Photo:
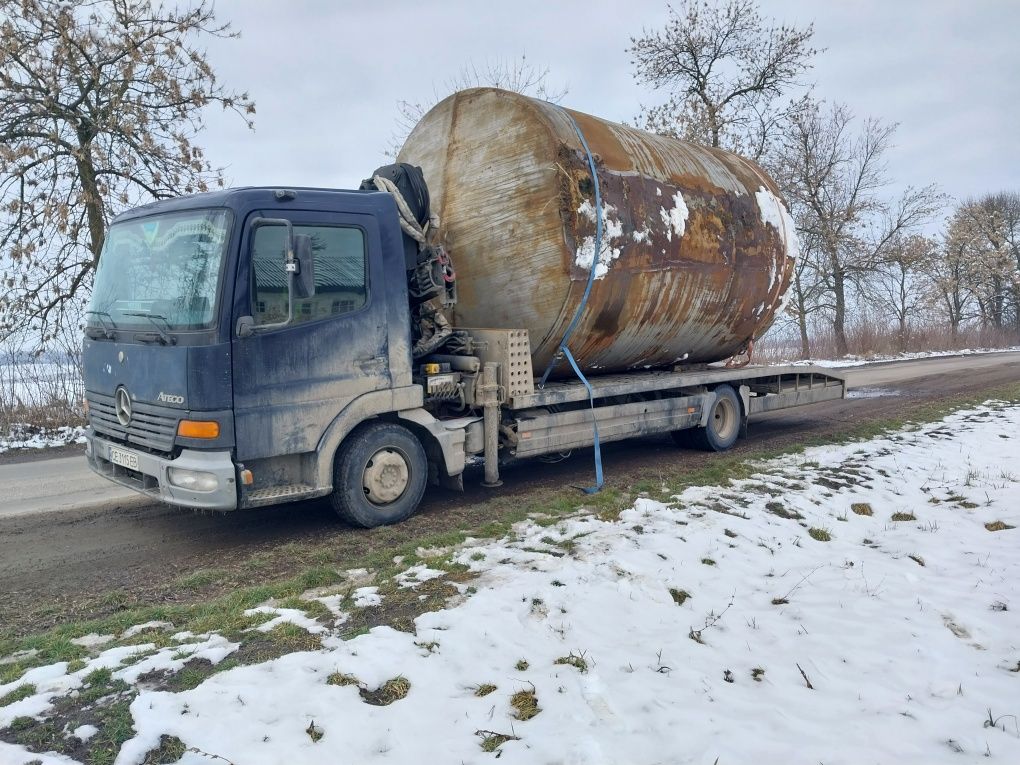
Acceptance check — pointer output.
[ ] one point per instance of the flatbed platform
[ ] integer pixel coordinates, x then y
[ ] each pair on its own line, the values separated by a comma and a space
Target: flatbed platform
789, 385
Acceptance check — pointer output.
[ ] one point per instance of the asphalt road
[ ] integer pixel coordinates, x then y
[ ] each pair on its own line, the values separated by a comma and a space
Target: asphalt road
66, 534
53, 485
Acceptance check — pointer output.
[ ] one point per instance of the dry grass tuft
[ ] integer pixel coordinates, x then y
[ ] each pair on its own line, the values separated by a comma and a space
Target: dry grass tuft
679, 596
315, 733
862, 508
778, 508
521, 665
904, 517
917, 559
820, 535
342, 678
998, 526
484, 689
491, 740
525, 703
170, 749
574, 660
392, 690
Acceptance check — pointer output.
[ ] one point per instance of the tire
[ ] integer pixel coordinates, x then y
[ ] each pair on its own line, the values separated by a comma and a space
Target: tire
723, 426
379, 475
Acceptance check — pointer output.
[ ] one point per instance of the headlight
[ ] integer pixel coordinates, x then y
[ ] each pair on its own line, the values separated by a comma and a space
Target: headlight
196, 480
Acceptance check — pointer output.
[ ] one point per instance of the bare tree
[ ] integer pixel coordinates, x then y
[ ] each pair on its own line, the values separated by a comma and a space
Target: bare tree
987, 232
897, 287
726, 71
952, 274
100, 103
517, 75
834, 179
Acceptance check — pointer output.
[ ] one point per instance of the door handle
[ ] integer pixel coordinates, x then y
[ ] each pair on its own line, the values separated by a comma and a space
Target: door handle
372, 363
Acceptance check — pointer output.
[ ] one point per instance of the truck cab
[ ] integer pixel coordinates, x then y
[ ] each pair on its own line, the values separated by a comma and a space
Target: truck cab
235, 339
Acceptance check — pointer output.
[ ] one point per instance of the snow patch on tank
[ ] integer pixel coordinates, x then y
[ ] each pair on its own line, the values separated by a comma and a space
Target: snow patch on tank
675, 219
644, 235
774, 213
612, 231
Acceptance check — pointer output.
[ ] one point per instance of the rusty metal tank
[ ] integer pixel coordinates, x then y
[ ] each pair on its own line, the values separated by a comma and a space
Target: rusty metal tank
697, 251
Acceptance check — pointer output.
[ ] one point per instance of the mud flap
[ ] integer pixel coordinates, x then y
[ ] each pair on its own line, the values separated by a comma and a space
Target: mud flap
744, 392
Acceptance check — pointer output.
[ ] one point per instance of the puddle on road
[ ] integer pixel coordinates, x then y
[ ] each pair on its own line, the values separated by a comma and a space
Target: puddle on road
872, 392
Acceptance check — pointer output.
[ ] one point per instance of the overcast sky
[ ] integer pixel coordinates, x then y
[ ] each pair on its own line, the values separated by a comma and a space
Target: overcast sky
327, 76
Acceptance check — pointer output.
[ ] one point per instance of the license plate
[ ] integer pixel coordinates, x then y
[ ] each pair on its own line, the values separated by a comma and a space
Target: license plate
123, 458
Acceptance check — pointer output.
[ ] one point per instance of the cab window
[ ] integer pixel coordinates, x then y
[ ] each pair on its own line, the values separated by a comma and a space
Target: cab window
340, 283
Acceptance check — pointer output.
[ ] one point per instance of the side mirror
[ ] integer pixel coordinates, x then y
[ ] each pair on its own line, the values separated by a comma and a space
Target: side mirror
292, 268
304, 279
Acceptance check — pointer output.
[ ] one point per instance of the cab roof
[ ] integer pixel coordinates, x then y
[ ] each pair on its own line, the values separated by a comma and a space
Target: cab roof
246, 198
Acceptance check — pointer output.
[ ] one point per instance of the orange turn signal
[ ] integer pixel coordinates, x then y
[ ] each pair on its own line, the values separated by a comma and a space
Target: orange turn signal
198, 429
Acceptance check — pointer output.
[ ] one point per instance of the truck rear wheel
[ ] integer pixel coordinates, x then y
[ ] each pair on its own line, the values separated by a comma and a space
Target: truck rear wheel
379, 475
723, 427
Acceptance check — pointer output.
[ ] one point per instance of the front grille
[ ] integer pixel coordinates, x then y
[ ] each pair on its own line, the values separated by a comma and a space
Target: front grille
151, 427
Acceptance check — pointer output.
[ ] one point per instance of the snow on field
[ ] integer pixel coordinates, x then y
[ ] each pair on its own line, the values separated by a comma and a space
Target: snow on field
858, 361
37, 381
25, 436
851, 604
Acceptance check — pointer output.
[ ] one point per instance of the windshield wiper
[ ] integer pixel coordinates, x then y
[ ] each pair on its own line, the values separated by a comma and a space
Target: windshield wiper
102, 331
161, 334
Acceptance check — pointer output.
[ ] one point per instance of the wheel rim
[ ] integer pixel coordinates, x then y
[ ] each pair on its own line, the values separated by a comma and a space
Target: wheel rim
386, 476
724, 419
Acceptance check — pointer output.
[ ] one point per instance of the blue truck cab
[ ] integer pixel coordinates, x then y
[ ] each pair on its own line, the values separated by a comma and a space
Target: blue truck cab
237, 339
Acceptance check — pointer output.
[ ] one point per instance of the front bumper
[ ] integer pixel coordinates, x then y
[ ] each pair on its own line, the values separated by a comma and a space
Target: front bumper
151, 475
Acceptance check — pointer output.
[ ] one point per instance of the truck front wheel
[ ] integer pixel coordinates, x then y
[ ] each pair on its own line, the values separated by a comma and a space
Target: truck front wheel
723, 427
379, 475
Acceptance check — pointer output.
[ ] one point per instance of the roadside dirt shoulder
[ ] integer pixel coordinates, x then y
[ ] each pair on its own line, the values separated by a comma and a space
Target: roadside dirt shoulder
15, 456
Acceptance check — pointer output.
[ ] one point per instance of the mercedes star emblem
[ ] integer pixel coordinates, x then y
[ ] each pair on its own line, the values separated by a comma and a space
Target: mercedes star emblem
123, 406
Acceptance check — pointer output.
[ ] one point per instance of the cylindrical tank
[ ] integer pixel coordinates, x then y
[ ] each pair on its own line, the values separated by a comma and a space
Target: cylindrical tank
697, 247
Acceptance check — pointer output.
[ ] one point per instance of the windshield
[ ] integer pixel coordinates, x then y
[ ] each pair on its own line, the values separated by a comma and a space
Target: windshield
162, 269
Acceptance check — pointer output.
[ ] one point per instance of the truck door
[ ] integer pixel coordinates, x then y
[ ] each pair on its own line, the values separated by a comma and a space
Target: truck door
289, 383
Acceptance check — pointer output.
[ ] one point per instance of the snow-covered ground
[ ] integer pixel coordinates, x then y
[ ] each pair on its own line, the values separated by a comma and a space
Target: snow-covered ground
25, 436
857, 361
851, 604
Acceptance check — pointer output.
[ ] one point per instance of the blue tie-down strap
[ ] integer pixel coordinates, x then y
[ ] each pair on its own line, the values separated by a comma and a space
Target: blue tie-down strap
594, 423
563, 349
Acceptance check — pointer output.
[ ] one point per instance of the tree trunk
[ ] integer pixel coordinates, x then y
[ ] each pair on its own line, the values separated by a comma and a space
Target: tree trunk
805, 343
1016, 312
997, 303
798, 291
93, 200
839, 317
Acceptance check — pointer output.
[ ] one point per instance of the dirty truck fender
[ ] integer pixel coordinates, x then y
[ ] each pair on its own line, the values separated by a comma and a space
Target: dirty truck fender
405, 402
